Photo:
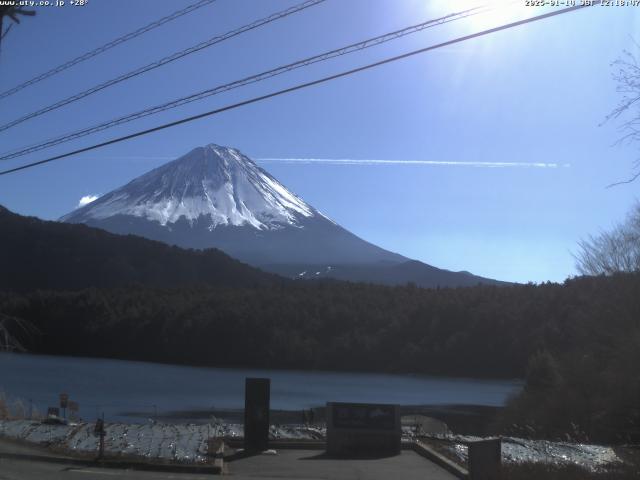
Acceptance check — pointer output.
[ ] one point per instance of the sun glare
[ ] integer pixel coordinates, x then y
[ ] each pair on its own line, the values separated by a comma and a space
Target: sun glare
487, 14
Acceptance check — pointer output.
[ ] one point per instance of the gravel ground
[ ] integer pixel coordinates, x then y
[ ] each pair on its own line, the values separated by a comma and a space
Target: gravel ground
188, 442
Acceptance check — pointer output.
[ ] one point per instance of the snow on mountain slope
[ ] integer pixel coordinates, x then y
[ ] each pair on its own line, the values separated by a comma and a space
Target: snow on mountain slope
216, 197
212, 181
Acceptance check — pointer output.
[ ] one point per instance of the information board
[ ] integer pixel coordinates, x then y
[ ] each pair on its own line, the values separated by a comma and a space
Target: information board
363, 429
53, 412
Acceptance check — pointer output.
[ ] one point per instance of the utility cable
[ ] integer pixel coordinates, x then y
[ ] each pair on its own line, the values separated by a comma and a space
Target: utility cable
107, 46
301, 86
371, 42
163, 61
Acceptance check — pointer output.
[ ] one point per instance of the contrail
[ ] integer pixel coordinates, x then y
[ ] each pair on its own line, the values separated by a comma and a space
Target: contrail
348, 161
369, 162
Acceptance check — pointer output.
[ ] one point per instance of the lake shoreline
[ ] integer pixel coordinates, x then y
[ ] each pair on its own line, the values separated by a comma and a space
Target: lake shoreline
278, 368
138, 391
463, 419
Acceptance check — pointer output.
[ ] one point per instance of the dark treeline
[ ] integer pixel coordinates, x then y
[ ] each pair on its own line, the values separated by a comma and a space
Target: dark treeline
576, 343
328, 325
51, 255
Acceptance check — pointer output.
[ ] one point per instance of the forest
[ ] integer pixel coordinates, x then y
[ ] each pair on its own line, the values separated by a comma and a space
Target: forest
575, 343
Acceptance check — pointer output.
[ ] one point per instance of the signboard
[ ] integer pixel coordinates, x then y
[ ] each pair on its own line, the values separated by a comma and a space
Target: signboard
256, 414
64, 400
53, 412
99, 431
363, 429
370, 417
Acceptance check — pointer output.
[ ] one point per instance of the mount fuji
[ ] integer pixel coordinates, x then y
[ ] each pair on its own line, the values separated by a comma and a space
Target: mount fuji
215, 196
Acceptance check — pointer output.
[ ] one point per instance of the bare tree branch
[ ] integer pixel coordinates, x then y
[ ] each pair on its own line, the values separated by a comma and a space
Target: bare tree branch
614, 251
13, 12
4, 34
622, 182
9, 326
627, 76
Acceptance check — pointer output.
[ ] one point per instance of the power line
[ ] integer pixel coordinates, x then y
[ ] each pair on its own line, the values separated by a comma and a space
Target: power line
300, 86
371, 42
107, 46
164, 61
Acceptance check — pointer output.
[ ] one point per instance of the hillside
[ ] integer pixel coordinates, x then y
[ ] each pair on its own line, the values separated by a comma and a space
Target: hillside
411, 271
37, 254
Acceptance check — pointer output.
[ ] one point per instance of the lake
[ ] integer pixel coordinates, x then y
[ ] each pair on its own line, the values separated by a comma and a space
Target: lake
117, 387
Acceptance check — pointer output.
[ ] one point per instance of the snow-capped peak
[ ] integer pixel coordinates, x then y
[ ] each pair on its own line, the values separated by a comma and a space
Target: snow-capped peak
217, 183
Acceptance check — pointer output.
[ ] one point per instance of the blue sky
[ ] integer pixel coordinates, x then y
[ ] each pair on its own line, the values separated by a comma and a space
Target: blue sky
534, 94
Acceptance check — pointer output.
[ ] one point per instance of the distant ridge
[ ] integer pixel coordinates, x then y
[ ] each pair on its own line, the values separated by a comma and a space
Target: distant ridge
37, 254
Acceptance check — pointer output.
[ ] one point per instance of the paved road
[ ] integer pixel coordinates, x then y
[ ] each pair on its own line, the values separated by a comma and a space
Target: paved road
288, 464
312, 465
27, 469
30, 470
8, 446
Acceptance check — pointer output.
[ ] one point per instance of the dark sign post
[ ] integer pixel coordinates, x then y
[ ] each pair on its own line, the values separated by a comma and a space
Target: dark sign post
64, 400
256, 414
485, 459
74, 407
363, 429
99, 431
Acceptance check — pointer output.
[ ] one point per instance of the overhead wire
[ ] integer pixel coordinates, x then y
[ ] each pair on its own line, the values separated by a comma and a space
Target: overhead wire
107, 46
164, 61
371, 42
302, 86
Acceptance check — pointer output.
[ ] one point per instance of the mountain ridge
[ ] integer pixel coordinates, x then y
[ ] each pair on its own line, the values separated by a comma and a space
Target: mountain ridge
211, 180
39, 254
217, 197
